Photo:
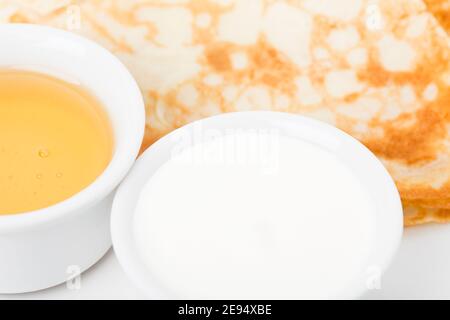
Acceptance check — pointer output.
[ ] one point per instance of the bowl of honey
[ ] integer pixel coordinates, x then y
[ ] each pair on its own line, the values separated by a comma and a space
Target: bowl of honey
72, 120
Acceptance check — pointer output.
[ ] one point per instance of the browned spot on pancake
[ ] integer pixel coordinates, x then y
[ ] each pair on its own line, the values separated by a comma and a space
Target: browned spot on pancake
423, 192
266, 65
414, 144
376, 76
352, 97
18, 18
441, 10
274, 69
430, 203
218, 56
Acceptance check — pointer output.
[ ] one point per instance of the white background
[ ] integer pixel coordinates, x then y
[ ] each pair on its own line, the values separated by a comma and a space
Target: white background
421, 270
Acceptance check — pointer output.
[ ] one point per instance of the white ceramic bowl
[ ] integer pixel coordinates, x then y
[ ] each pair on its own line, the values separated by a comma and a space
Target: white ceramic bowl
369, 170
43, 248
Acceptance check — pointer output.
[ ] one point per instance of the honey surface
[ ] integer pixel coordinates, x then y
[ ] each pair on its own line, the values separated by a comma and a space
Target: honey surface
55, 140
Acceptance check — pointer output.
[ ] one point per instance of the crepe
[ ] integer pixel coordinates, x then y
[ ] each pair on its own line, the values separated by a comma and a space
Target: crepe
379, 70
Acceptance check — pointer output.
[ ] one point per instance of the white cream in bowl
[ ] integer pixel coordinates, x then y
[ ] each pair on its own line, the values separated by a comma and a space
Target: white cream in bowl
258, 205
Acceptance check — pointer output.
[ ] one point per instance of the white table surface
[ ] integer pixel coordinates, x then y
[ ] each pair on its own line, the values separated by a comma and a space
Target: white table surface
421, 270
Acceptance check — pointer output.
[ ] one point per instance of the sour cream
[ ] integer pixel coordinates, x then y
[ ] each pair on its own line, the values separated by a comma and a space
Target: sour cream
255, 215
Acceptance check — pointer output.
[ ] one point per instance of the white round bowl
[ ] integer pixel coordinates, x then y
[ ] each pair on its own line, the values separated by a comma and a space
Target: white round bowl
43, 248
371, 173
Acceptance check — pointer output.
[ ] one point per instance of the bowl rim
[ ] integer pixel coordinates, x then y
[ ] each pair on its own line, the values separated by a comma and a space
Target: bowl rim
123, 156
128, 194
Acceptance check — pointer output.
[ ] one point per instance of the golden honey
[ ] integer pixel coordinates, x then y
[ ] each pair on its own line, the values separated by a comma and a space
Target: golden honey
55, 140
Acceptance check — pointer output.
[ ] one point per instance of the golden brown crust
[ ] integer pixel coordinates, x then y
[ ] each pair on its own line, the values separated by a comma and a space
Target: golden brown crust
441, 10
414, 215
429, 203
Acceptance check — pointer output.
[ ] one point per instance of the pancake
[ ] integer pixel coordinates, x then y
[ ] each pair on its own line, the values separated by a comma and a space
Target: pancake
378, 70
